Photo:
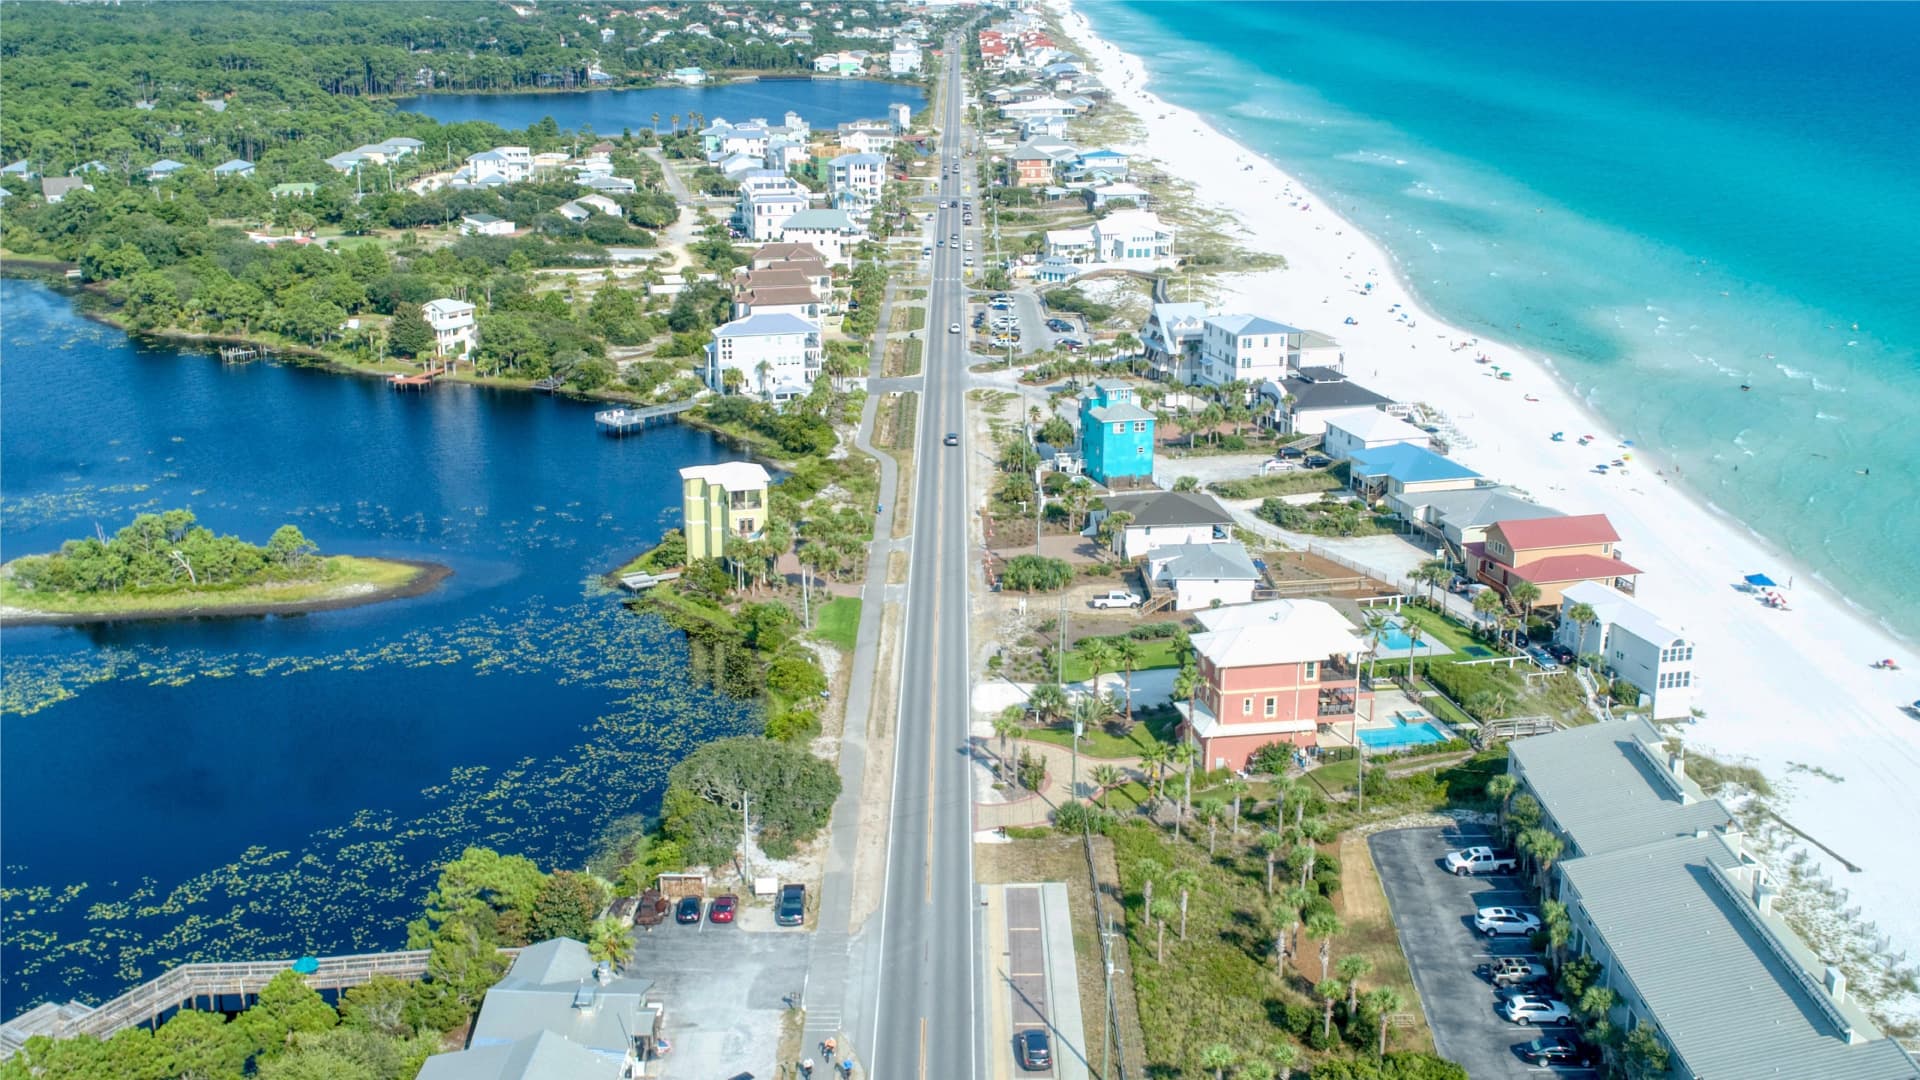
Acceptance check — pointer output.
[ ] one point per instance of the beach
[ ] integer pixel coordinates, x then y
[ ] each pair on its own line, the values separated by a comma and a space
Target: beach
1790, 691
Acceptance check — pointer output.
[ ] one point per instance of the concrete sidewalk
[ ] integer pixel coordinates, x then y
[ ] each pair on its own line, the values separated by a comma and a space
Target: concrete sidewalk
1031, 977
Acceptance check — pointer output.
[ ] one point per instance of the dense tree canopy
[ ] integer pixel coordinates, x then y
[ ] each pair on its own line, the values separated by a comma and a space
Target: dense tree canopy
787, 794
166, 551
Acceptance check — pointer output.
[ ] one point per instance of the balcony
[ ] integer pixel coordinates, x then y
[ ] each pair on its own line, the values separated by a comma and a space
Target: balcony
1336, 669
1337, 703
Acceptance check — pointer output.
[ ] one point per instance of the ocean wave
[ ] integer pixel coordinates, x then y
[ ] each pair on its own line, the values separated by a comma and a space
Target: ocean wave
1792, 372
1826, 416
1370, 157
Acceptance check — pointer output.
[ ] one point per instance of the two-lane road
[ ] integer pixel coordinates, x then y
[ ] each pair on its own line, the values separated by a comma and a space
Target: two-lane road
927, 997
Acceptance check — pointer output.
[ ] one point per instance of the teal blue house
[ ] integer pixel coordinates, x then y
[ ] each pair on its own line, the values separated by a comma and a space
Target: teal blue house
1116, 434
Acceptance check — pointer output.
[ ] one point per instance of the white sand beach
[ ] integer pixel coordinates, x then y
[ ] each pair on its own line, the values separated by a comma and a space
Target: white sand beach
1789, 691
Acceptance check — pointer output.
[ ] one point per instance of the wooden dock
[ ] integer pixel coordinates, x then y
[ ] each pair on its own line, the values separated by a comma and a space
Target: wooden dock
222, 987
640, 581
243, 354
626, 421
417, 381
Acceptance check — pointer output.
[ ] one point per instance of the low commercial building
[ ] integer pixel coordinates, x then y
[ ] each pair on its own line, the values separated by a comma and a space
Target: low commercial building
722, 502
1162, 518
1278, 671
455, 333
1633, 644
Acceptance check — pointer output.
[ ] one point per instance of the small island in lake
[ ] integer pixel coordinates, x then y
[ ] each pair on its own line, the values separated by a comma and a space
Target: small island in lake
167, 565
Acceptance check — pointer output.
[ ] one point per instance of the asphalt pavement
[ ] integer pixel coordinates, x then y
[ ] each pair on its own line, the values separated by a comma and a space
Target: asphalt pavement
927, 993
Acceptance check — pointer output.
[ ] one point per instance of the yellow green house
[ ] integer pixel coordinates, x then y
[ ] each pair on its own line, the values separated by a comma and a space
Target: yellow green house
723, 501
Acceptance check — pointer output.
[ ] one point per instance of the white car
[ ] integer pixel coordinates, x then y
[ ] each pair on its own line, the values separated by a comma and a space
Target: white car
1479, 860
953, 328
1505, 921
1524, 1009
1118, 598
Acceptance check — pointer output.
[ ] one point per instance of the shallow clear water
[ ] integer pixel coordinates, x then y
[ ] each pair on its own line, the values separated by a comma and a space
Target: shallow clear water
255, 788
1666, 200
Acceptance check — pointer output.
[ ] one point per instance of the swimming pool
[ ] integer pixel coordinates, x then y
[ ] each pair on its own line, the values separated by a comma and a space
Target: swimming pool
1409, 729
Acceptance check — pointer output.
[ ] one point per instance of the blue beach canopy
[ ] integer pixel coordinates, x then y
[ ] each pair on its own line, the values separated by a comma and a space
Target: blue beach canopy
1761, 580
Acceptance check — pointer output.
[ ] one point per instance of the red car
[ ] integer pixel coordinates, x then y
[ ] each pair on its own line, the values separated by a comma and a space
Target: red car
721, 910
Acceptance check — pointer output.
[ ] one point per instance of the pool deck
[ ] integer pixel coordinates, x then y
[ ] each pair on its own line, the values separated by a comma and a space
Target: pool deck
1386, 705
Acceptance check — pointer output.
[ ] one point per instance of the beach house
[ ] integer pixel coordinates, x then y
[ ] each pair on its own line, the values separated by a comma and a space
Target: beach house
1462, 517
1112, 163
1109, 196
558, 1013
777, 356
1135, 236
292, 191
1278, 671
1633, 644
722, 502
1353, 430
484, 225
1116, 434
854, 182
903, 58
1403, 476
1071, 246
455, 333
1242, 348
55, 188
236, 168
163, 169
833, 233
767, 199
1031, 168
1552, 553
1171, 338
1682, 920
1163, 518
1193, 577
510, 164
1300, 403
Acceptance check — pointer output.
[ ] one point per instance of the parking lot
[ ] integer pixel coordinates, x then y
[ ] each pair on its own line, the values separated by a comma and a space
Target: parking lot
1030, 316
724, 988
1433, 912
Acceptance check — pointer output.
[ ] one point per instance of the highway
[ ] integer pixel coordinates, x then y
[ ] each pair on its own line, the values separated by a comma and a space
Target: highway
928, 1022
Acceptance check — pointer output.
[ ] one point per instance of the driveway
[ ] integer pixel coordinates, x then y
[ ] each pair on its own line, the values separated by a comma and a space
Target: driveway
724, 989
1433, 911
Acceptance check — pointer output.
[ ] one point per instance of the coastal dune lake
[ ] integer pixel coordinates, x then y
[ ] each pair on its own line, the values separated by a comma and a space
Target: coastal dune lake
822, 102
257, 788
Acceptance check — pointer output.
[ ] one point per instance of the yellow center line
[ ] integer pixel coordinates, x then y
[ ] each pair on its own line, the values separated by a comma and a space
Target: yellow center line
933, 695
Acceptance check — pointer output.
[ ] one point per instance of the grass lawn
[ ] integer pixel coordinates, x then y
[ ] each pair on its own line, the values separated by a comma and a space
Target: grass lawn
1369, 932
338, 577
1437, 627
1099, 743
1160, 653
838, 622
1281, 483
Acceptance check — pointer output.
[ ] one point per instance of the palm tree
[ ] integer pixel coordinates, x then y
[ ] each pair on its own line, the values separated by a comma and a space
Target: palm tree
1432, 574
1294, 902
676, 123
1183, 754
656, 121
1186, 881
1209, 812
1162, 910
1485, 603
1377, 625
1329, 991
1129, 653
1526, 594
1413, 647
1558, 927
1543, 847
1008, 727
1351, 970
1305, 856
1093, 710
1153, 761
1107, 776
1584, 617
1048, 702
1253, 1068
1284, 1057
611, 942
1502, 788
1211, 418
1219, 1057
1383, 1002
1324, 927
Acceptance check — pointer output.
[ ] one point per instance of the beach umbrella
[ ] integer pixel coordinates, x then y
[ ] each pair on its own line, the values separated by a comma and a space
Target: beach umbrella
1760, 581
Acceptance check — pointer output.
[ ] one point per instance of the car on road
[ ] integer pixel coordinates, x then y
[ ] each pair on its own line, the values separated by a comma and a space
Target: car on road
1555, 1050
1036, 1050
1513, 971
688, 910
1505, 921
953, 438
954, 238
1480, 860
1060, 326
792, 909
939, 243
968, 260
1524, 1009
721, 910
953, 328
1118, 598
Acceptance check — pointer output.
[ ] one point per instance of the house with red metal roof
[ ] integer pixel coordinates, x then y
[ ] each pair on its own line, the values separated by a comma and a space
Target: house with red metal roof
1552, 553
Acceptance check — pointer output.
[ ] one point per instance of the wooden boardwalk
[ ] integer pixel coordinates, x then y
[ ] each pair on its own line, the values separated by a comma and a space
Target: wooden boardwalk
622, 421
218, 986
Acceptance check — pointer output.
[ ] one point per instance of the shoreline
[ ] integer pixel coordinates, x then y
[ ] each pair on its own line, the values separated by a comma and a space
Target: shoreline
1752, 660
427, 577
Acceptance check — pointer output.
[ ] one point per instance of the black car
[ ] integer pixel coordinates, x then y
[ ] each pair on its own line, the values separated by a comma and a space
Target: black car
792, 910
1036, 1051
1291, 452
1318, 461
1059, 326
1554, 1050
688, 910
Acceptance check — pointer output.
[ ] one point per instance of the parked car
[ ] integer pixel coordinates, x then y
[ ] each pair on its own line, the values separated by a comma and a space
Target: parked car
1479, 860
1555, 1050
1118, 598
792, 909
1524, 1009
688, 910
1072, 344
1318, 461
1059, 326
1543, 657
1505, 921
1561, 653
1514, 971
1036, 1051
721, 910
652, 910
1291, 452
968, 246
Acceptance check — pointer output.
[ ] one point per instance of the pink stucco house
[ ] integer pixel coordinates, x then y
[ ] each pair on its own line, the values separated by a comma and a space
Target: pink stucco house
1276, 671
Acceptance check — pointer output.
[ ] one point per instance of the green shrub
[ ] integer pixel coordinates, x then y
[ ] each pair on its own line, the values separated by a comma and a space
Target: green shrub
1036, 573
1027, 832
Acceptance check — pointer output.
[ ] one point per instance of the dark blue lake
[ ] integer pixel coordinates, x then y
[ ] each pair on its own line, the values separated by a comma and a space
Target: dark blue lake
271, 787
822, 102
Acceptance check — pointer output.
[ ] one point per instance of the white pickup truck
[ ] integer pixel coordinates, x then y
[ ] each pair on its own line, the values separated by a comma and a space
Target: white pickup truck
1120, 598
1479, 860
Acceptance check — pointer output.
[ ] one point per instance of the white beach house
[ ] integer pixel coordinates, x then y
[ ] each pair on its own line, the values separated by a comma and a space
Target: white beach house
776, 355
1634, 644
455, 333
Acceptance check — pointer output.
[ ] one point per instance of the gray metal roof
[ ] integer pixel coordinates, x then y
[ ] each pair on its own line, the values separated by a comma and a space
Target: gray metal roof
1214, 562
1734, 993
1480, 507
542, 1056
1609, 786
1119, 412
539, 994
1170, 508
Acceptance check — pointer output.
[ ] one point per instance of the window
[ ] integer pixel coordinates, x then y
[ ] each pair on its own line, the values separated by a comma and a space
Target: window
1139, 451
1120, 428
1675, 680
1310, 670
1273, 705
1139, 426
1246, 706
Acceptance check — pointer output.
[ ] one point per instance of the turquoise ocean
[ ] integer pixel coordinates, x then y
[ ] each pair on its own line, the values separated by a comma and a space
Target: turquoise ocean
1668, 201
